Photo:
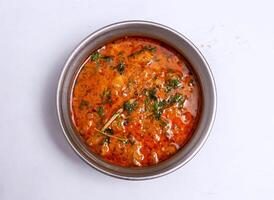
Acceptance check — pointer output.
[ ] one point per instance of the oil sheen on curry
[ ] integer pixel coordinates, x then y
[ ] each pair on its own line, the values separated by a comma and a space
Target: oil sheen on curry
135, 102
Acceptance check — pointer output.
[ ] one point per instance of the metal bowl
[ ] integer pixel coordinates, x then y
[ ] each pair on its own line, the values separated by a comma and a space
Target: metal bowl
168, 36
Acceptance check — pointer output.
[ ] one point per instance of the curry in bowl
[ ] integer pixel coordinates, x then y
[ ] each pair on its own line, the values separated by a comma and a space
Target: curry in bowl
135, 102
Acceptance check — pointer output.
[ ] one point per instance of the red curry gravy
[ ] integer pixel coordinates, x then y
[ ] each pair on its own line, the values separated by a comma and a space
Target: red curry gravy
135, 102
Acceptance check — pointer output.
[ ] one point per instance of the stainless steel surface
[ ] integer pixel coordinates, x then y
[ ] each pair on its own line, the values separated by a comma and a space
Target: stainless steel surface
174, 39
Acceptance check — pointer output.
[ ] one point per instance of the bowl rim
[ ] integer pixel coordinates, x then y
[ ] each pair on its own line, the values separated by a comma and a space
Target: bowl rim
76, 50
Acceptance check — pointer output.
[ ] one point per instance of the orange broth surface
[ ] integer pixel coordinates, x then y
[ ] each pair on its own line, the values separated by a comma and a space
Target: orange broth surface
135, 102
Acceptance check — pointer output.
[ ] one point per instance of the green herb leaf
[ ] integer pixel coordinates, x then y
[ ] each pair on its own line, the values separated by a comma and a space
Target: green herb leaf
121, 67
152, 94
130, 107
172, 84
101, 111
95, 56
157, 109
175, 99
159, 106
149, 48
145, 48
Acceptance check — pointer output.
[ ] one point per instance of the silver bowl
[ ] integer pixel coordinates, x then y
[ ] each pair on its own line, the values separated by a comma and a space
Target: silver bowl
168, 36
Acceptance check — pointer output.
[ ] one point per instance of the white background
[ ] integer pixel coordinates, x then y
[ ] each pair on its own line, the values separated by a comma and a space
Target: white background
237, 39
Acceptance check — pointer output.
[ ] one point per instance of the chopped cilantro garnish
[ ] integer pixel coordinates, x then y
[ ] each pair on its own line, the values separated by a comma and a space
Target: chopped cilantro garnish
101, 111
121, 67
129, 107
95, 56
